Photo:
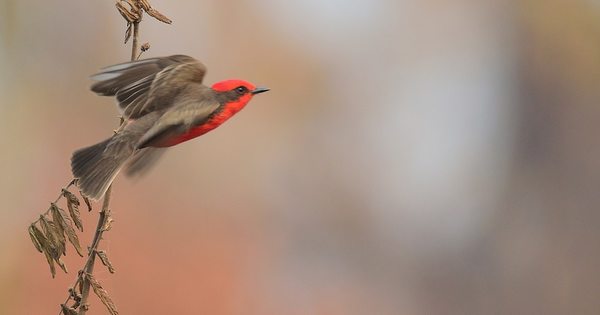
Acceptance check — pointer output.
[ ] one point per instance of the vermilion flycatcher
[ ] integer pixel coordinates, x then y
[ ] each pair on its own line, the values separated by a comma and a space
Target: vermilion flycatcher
164, 103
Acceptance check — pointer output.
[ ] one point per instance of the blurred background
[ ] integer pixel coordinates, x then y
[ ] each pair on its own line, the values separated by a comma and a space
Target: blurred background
412, 157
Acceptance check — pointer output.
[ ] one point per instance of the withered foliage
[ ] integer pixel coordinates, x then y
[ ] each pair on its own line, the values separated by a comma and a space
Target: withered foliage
87, 202
66, 226
73, 206
49, 234
105, 261
131, 11
102, 294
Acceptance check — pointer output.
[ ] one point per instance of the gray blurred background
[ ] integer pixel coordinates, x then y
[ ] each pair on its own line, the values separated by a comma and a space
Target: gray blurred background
412, 157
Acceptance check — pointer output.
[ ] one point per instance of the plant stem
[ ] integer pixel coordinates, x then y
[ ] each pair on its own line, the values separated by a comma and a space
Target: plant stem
134, 43
104, 213
89, 265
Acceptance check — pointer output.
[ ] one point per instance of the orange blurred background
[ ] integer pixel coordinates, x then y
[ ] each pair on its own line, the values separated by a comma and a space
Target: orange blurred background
412, 157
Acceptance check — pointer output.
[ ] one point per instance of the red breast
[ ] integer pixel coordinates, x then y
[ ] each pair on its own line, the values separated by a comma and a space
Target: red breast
244, 91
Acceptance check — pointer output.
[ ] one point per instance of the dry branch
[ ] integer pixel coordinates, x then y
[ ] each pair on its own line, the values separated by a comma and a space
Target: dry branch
50, 232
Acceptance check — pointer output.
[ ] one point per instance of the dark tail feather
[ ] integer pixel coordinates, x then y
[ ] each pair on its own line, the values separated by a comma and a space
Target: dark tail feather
95, 170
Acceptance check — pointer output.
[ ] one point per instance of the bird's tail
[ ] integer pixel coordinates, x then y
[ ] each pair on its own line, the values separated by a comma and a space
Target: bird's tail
95, 169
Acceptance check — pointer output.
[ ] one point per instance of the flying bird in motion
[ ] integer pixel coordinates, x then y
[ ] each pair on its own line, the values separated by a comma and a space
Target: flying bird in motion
164, 103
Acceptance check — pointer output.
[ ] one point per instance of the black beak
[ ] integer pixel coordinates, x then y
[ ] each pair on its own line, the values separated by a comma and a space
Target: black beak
259, 90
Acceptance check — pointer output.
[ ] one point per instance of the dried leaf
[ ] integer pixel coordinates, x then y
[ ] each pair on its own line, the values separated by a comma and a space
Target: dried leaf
153, 12
159, 16
56, 240
62, 265
133, 4
87, 201
50, 261
64, 221
127, 32
47, 249
56, 230
105, 261
102, 294
73, 206
66, 310
34, 238
57, 219
145, 4
127, 14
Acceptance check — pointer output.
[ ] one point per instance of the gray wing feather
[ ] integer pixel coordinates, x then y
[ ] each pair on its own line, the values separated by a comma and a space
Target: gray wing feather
142, 86
178, 121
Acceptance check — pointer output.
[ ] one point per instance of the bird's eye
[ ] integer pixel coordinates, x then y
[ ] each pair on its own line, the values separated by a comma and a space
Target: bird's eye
241, 89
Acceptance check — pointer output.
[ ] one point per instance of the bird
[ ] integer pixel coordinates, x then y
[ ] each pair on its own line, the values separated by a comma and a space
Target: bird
163, 102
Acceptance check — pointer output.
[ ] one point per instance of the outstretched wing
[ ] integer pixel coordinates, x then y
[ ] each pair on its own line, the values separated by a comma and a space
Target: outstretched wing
145, 86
